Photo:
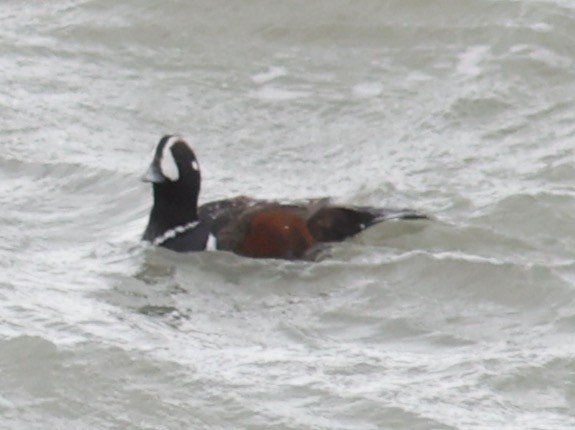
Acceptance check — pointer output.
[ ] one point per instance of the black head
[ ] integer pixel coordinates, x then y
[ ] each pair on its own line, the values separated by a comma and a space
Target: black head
175, 176
174, 161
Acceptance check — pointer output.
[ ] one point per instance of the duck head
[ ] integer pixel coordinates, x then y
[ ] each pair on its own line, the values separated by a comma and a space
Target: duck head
175, 177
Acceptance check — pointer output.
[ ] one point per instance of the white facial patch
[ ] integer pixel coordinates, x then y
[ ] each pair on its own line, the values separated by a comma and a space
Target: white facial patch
168, 164
195, 165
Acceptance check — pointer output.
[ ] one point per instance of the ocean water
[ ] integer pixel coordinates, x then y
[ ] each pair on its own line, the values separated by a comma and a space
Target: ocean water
464, 109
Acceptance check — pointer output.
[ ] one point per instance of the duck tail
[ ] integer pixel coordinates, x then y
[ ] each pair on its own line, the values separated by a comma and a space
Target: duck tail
337, 223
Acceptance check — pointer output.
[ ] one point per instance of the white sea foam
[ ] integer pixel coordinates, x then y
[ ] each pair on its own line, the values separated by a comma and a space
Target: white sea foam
453, 108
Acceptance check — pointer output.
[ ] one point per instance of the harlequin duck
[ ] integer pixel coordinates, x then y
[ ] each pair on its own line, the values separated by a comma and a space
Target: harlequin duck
245, 226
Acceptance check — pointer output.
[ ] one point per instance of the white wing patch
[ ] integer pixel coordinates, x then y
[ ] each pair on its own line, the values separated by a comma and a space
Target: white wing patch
212, 244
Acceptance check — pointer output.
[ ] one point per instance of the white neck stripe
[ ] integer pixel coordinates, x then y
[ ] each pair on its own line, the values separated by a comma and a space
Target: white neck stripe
173, 232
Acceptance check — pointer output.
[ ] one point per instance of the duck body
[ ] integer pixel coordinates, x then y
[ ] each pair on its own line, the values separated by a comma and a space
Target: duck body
243, 225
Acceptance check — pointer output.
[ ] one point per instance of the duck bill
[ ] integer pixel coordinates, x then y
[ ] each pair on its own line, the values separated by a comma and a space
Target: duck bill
153, 175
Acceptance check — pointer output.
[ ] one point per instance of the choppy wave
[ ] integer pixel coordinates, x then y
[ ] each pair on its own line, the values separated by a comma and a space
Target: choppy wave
463, 109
